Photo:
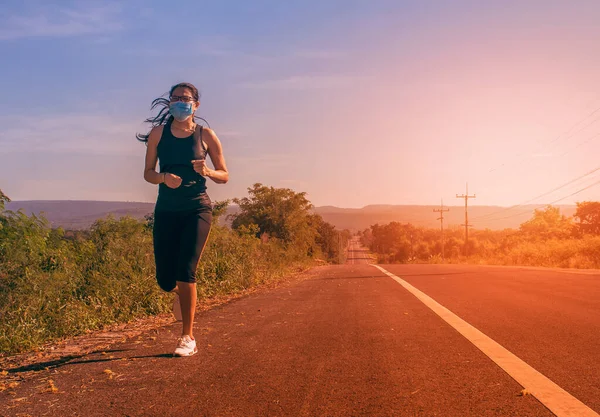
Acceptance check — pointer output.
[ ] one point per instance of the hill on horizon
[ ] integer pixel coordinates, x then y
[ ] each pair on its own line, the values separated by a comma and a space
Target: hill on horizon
81, 214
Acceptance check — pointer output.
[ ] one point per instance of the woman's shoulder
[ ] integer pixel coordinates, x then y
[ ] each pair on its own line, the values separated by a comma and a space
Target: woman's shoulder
208, 135
158, 130
155, 134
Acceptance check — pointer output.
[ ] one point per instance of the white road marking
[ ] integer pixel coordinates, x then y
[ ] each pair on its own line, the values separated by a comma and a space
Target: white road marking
556, 399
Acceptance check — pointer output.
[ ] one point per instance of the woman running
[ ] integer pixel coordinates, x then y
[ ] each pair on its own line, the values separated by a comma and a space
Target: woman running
183, 210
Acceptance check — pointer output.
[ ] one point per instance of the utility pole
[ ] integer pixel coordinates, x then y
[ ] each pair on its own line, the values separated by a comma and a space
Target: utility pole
441, 210
466, 197
339, 242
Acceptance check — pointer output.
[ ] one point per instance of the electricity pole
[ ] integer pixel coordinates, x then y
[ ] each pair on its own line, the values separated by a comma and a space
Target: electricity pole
339, 241
466, 197
441, 210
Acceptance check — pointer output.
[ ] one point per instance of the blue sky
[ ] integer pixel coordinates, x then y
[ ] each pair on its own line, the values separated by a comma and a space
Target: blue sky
354, 102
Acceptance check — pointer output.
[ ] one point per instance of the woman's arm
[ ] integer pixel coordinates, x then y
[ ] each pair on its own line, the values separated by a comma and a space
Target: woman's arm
220, 175
150, 173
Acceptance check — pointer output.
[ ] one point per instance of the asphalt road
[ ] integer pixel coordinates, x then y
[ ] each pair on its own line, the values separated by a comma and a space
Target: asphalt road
347, 340
356, 254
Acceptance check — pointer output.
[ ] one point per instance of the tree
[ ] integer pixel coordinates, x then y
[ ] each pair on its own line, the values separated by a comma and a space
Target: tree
331, 241
219, 208
394, 240
547, 224
366, 237
588, 215
3, 200
279, 212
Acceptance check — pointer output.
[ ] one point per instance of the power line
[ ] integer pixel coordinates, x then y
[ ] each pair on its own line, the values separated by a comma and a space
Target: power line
549, 204
580, 143
589, 115
539, 196
576, 192
569, 134
558, 137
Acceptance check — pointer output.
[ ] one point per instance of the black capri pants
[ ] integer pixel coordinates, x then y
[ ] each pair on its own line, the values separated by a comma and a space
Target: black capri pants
179, 239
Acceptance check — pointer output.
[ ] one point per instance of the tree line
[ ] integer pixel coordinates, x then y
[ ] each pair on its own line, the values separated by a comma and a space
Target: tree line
548, 238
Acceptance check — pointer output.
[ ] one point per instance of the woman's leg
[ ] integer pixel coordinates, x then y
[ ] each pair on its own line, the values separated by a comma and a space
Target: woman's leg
166, 240
187, 298
193, 240
166, 249
177, 304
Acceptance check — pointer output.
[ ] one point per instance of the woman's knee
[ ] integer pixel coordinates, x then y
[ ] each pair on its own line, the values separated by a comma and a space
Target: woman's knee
166, 285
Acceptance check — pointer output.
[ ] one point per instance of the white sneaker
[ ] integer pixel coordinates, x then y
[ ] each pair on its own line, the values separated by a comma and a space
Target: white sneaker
177, 308
186, 346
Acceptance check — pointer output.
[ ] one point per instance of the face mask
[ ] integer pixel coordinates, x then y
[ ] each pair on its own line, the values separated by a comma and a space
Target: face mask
181, 111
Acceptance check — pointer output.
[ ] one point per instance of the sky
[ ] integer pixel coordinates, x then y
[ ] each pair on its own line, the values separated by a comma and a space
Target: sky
353, 102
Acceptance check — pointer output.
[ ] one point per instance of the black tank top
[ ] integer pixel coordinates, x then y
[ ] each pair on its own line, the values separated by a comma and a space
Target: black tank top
175, 156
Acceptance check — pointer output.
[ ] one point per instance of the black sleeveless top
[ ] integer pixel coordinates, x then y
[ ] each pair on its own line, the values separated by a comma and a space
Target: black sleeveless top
175, 156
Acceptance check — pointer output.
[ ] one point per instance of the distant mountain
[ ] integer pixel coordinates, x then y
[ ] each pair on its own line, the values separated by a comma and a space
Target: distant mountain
78, 214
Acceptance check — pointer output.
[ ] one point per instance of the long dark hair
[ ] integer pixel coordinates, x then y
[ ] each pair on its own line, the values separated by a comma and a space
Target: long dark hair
163, 116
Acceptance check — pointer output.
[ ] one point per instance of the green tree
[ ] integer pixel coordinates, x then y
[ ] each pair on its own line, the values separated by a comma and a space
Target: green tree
588, 216
3, 200
219, 208
366, 237
547, 224
331, 241
279, 212
395, 241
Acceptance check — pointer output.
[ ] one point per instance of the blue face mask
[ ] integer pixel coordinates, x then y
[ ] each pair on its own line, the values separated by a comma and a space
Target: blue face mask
181, 111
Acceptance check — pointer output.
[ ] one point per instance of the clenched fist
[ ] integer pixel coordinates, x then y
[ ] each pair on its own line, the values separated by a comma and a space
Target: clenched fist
172, 180
200, 167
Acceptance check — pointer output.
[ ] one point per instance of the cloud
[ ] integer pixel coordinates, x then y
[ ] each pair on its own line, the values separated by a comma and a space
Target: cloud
263, 160
199, 46
318, 54
303, 82
70, 133
65, 22
234, 50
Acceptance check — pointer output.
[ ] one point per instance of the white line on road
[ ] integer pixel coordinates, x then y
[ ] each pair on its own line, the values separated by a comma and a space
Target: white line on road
556, 399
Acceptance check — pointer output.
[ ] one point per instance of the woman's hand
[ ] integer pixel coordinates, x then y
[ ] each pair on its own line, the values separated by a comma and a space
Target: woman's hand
172, 180
200, 167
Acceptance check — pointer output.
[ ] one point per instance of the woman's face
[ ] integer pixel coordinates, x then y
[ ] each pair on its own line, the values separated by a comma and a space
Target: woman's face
184, 94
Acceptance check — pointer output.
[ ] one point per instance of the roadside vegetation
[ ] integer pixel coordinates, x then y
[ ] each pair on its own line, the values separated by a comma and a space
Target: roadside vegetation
548, 239
56, 283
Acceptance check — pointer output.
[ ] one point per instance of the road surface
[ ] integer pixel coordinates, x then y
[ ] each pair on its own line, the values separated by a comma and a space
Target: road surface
356, 254
350, 340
